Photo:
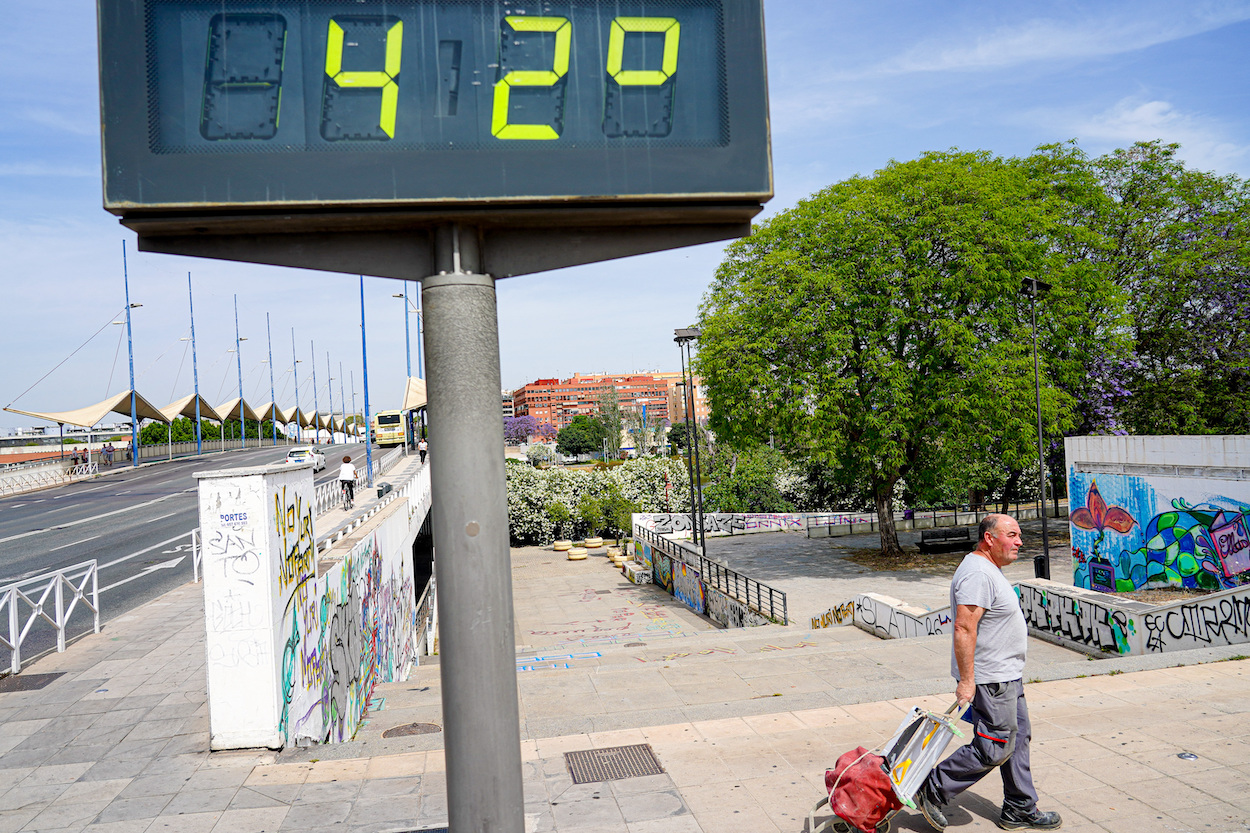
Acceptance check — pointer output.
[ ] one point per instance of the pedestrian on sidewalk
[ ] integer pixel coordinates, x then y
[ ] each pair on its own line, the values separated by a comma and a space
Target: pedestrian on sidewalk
987, 661
422, 449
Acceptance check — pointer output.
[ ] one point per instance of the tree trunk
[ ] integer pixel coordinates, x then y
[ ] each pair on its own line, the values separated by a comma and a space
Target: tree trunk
884, 498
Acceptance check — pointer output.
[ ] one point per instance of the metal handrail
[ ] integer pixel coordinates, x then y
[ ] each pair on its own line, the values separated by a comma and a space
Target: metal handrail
767, 600
45, 477
53, 583
427, 617
197, 553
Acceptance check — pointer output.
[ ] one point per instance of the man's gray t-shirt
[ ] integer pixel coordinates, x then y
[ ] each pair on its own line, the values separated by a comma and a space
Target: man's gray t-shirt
1002, 636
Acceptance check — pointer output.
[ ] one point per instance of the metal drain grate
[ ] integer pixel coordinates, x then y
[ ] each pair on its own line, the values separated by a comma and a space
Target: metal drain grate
412, 729
28, 682
591, 765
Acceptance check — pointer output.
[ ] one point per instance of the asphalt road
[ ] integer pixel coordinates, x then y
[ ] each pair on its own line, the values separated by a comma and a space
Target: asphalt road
135, 523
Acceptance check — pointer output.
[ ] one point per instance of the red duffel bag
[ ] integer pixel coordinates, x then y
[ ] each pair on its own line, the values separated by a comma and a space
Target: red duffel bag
859, 789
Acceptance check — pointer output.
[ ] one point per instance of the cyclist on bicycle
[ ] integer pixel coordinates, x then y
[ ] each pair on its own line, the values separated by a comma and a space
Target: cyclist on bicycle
347, 479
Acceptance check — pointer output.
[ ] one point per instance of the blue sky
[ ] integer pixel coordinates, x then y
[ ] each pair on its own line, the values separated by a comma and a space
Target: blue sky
852, 85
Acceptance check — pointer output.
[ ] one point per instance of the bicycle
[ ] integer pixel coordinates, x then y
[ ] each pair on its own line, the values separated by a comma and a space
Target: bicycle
345, 486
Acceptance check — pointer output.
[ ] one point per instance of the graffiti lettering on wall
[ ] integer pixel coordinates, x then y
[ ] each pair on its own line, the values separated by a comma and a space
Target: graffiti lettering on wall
662, 570
731, 523
1224, 620
1072, 619
731, 613
687, 588
294, 525
1138, 537
843, 614
347, 630
886, 618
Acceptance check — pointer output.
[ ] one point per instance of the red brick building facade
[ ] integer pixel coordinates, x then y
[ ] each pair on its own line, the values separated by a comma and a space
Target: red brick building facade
557, 401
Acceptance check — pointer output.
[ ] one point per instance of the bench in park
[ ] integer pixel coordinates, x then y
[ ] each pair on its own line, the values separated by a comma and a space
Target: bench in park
947, 539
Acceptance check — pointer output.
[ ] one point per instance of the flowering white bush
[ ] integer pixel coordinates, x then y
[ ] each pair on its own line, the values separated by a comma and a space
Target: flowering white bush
653, 484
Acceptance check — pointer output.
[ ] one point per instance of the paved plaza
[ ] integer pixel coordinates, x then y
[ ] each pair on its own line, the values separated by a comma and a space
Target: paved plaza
743, 723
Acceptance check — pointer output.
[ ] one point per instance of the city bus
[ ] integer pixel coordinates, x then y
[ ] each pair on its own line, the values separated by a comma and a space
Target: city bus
388, 428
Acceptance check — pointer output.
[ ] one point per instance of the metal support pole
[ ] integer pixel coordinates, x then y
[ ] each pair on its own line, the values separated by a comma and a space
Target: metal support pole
343, 401
273, 399
130, 351
698, 473
195, 373
1041, 564
364, 360
330, 393
238, 357
295, 372
312, 360
685, 406
470, 522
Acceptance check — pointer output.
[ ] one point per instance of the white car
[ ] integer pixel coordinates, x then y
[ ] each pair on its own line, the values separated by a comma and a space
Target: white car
306, 454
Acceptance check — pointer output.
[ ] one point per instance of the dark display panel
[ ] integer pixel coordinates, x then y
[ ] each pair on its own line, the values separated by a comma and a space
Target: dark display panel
411, 101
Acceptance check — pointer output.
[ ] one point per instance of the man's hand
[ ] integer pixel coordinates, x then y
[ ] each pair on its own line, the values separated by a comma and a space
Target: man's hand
964, 692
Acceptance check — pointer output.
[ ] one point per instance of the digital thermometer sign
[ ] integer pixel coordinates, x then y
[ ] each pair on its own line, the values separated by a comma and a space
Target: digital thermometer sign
227, 104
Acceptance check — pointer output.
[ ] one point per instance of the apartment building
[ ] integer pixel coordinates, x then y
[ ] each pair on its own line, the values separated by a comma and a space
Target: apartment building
557, 401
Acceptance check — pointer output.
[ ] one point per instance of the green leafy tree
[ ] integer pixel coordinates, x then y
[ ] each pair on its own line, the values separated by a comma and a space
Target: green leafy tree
610, 418
747, 481
877, 328
584, 435
1182, 257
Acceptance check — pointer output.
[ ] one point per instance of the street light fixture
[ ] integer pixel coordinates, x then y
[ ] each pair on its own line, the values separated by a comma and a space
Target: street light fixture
1041, 563
683, 336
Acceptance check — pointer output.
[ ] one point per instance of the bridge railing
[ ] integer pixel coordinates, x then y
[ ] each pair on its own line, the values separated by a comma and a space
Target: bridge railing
82, 582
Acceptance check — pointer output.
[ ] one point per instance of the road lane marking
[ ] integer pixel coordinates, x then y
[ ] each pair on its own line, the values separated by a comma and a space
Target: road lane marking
85, 520
166, 565
163, 517
76, 543
143, 551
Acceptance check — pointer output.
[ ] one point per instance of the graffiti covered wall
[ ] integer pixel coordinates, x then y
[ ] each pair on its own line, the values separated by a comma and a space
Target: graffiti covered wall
723, 522
1131, 532
294, 651
890, 618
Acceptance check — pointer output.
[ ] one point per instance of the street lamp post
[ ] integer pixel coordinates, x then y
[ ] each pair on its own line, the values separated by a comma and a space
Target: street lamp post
364, 360
343, 401
195, 373
273, 399
299, 436
1041, 563
130, 351
330, 393
312, 359
683, 337
238, 357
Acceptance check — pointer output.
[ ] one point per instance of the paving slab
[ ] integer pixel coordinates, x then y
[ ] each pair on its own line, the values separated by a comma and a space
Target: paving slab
743, 723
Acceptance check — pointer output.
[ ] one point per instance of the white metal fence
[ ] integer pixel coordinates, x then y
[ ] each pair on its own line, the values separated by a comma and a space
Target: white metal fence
43, 477
81, 580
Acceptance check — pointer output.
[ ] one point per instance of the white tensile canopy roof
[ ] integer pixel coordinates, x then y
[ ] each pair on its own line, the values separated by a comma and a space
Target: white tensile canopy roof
232, 409
414, 394
185, 407
87, 417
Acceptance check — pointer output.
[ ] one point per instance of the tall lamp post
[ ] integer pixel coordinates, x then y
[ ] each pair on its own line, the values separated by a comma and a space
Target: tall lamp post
1041, 563
195, 373
130, 351
683, 336
364, 360
273, 399
238, 357
299, 436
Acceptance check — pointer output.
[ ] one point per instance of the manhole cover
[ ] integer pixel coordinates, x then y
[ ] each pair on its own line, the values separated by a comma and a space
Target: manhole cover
635, 644
602, 592
412, 729
591, 765
27, 682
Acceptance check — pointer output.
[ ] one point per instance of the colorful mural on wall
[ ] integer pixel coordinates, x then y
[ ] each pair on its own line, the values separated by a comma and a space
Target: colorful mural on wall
1131, 532
346, 631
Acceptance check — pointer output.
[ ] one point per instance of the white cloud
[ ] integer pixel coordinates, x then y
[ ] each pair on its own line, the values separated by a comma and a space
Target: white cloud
1204, 142
1124, 27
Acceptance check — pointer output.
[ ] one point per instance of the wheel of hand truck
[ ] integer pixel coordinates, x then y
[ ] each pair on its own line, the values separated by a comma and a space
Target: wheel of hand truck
839, 826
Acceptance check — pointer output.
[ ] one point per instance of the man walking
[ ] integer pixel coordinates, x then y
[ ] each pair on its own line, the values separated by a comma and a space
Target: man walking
423, 448
987, 661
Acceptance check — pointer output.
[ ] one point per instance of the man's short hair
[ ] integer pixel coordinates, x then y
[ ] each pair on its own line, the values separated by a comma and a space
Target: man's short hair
988, 524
